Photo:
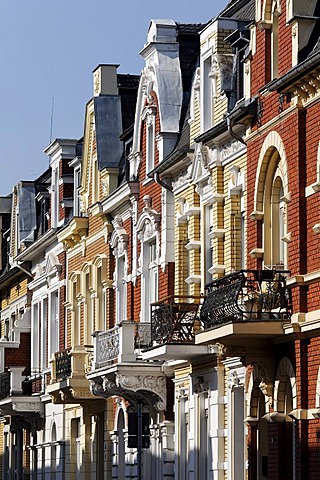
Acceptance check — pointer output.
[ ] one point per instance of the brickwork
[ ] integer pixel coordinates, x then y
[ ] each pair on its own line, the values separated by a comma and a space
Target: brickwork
297, 128
22, 358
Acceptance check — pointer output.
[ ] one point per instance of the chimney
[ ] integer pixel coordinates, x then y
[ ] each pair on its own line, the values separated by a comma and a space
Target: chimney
105, 80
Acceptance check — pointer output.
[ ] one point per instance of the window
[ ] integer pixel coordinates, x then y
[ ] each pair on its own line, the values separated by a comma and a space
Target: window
55, 198
101, 295
208, 242
74, 307
150, 153
54, 323
89, 310
44, 322
35, 328
275, 251
243, 233
77, 183
121, 290
153, 273
209, 75
274, 41
150, 277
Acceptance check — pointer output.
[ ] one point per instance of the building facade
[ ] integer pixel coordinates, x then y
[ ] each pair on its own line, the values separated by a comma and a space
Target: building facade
159, 281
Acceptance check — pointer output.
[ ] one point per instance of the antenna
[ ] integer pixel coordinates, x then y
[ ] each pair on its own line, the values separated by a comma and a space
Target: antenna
51, 121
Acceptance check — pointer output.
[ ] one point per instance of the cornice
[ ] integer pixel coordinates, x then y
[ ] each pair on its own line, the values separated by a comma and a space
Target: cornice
38, 246
72, 234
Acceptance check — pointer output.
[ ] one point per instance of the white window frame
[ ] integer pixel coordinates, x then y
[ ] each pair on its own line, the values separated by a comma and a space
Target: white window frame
150, 142
121, 289
53, 322
150, 271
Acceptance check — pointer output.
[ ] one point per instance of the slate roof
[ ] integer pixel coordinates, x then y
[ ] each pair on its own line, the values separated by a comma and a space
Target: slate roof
239, 9
128, 88
190, 28
189, 51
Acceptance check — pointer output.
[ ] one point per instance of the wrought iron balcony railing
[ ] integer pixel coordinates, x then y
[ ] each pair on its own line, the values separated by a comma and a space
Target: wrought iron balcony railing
143, 336
174, 319
247, 295
63, 365
4, 384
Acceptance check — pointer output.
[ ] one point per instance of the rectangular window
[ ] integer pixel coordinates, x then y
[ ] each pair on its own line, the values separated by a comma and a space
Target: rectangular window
35, 328
150, 145
54, 323
55, 198
208, 241
121, 290
207, 94
77, 183
153, 273
44, 326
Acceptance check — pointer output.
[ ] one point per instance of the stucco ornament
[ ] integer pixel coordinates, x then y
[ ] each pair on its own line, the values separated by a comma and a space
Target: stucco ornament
119, 238
148, 82
153, 383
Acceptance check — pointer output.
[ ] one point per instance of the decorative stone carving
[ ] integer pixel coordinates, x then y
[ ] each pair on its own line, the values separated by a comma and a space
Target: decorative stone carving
148, 82
230, 148
231, 350
148, 224
183, 178
119, 238
267, 391
201, 385
96, 82
152, 383
236, 379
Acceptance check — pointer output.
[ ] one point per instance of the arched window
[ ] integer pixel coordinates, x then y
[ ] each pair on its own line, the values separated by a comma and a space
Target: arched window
148, 232
271, 203
121, 445
53, 452
275, 251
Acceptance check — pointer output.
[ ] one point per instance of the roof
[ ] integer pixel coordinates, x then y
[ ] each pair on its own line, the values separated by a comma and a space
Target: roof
127, 80
297, 72
128, 87
190, 28
239, 9
189, 51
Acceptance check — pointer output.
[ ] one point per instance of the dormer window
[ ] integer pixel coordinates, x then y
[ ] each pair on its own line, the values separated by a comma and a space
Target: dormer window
209, 77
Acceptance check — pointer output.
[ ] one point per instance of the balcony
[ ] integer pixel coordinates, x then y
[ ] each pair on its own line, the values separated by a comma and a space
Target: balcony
174, 323
248, 303
68, 375
16, 395
118, 368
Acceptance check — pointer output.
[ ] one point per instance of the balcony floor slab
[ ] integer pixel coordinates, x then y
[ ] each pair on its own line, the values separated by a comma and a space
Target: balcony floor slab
241, 331
175, 352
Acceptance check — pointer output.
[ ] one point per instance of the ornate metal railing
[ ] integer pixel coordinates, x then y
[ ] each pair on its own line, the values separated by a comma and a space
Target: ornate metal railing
174, 319
247, 295
63, 365
143, 336
107, 346
4, 384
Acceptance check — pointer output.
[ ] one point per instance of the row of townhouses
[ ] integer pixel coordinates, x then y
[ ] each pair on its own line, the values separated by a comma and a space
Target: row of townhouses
160, 281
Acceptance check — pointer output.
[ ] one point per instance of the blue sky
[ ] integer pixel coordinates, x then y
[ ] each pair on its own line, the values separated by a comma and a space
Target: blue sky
48, 49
